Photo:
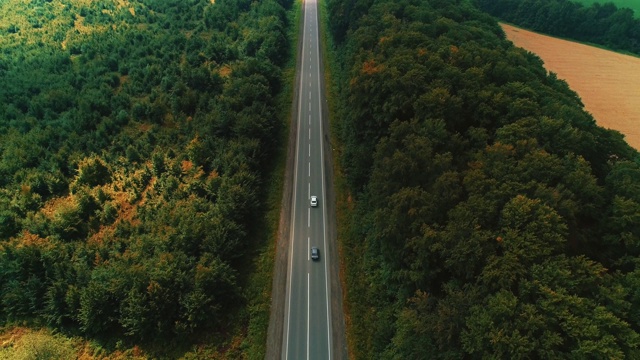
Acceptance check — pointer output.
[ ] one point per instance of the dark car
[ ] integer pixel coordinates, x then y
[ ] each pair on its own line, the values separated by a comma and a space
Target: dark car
315, 253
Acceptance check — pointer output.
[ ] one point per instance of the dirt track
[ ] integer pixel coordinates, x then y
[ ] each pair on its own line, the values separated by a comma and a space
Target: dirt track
607, 82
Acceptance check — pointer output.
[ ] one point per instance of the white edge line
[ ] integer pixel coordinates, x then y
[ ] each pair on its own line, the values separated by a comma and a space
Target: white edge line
308, 310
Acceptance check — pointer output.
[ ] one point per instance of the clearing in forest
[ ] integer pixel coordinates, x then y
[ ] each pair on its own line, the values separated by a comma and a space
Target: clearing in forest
607, 82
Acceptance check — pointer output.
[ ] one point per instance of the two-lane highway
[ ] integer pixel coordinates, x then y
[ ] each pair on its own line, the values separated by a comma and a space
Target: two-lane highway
307, 328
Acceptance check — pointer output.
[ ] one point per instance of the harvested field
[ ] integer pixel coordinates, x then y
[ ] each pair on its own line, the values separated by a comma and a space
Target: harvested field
607, 82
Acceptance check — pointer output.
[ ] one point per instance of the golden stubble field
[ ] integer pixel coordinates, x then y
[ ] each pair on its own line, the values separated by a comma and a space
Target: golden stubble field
607, 82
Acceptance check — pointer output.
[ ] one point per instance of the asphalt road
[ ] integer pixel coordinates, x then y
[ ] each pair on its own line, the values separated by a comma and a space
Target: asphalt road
307, 319
307, 326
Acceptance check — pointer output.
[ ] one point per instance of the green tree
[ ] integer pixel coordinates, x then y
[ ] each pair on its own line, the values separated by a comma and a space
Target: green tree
43, 346
92, 171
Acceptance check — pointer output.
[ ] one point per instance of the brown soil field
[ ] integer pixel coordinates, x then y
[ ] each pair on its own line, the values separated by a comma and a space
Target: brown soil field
607, 82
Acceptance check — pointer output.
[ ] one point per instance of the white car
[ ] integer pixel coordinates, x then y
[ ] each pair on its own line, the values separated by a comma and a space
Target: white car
314, 201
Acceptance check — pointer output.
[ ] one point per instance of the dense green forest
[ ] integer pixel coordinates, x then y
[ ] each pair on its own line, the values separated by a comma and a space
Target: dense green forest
135, 137
631, 4
489, 217
603, 24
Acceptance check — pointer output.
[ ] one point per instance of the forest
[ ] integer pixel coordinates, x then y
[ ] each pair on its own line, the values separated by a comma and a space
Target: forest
135, 141
602, 24
487, 215
631, 4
